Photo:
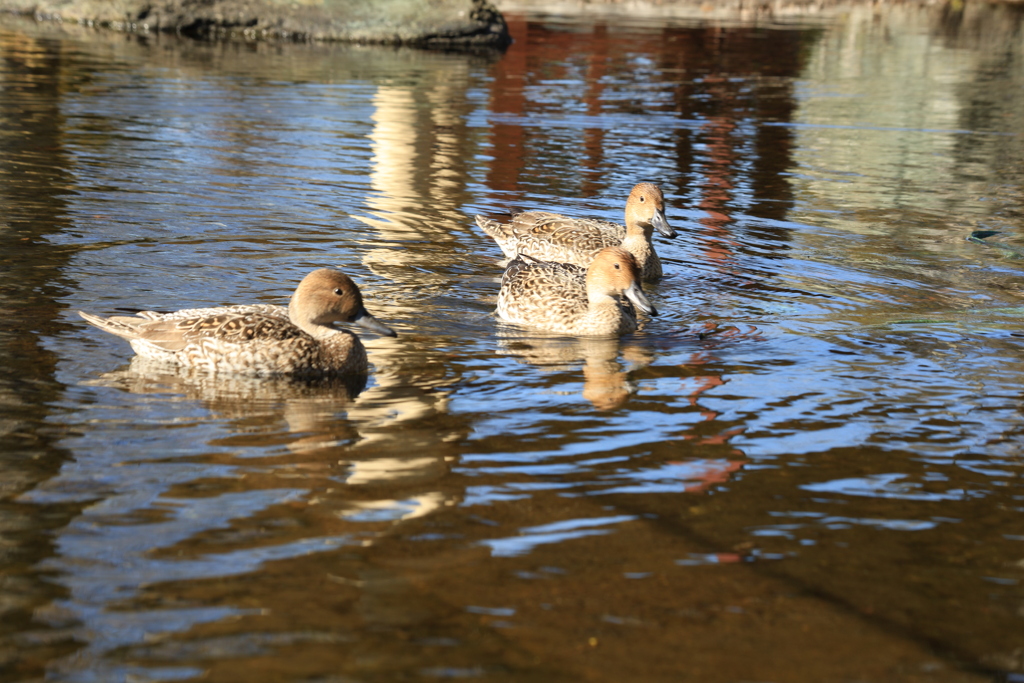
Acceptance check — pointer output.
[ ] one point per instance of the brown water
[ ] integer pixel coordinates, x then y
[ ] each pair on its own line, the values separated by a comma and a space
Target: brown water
808, 468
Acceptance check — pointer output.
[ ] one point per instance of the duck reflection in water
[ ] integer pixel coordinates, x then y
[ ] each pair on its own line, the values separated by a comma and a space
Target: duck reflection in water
318, 431
313, 408
606, 382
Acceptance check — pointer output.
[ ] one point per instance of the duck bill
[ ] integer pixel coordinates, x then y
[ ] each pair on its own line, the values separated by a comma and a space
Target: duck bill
366, 321
636, 295
660, 224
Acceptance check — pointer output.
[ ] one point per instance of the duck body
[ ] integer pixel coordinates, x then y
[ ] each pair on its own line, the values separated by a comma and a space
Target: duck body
259, 339
553, 237
564, 298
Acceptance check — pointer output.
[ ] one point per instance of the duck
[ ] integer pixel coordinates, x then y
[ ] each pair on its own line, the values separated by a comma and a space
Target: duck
564, 298
553, 237
259, 339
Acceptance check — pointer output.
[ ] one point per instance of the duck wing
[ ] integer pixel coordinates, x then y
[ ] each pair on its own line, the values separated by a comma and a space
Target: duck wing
174, 332
542, 293
553, 237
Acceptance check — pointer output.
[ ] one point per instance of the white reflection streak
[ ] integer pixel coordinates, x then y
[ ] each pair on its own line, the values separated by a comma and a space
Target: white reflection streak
393, 141
394, 510
386, 469
395, 167
415, 177
883, 486
403, 163
558, 532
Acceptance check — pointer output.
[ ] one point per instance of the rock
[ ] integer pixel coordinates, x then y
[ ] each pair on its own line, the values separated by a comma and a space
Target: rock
424, 23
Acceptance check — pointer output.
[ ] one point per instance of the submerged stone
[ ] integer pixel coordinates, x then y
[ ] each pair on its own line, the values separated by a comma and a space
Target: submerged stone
425, 23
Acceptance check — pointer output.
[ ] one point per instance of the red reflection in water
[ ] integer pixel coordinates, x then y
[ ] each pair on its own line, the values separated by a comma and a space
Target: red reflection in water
707, 473
721, 84
508, 96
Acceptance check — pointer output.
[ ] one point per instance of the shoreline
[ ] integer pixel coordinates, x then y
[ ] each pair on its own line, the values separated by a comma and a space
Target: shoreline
442, 24
727, 10
462, 25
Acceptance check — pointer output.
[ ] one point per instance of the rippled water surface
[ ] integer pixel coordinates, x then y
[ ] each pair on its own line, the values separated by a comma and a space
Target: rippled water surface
808, 468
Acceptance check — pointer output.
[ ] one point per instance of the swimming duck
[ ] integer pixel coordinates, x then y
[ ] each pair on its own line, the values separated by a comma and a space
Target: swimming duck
259, 339
567, 299
551, 237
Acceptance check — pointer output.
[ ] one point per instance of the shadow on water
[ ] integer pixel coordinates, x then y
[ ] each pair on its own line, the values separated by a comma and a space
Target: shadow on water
806, 469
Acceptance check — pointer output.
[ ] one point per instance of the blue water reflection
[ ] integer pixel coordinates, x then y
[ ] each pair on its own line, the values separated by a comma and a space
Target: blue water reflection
806, 469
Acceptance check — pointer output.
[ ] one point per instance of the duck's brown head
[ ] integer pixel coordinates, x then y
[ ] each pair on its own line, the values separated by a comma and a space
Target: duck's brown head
327, 296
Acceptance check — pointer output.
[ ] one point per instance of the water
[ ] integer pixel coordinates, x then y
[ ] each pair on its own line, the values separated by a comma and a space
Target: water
806, 469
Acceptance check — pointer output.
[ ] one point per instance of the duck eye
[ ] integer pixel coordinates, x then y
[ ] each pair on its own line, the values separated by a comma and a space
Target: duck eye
641, 199
338, 291
616, 266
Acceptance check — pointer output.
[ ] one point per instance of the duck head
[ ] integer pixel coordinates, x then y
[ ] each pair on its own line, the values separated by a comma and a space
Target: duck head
646, 208
615, 273
328, 296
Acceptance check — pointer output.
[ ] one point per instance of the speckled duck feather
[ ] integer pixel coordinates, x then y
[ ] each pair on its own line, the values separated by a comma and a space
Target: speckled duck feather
553, 297
237, 341
552, 237
561, 239
258, 339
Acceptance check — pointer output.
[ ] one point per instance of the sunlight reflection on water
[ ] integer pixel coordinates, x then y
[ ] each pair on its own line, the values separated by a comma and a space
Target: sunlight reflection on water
813, 452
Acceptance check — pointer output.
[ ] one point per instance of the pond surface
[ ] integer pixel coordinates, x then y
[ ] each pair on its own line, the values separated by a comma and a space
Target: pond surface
807, 468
